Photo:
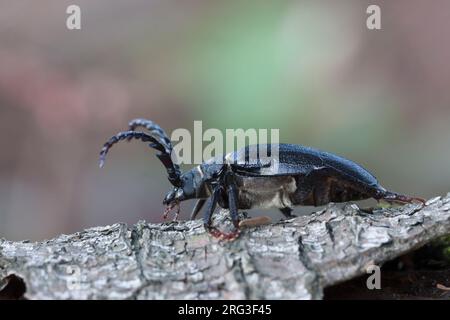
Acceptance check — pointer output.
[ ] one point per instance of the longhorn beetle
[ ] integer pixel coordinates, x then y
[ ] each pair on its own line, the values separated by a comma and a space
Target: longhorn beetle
300, 176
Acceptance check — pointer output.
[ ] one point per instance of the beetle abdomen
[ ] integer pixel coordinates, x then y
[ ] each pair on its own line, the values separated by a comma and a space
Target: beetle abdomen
322, 192
265, 192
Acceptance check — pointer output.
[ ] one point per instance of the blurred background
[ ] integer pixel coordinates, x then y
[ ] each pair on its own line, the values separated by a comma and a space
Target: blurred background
309, 68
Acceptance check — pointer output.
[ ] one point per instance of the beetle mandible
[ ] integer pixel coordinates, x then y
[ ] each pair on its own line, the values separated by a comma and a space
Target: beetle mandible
302, 176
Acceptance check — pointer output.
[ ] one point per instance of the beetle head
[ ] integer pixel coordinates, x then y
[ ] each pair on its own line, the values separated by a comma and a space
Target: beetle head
190, 184
171, 196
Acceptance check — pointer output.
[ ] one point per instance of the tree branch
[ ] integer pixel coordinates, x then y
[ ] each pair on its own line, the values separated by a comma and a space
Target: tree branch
292, 259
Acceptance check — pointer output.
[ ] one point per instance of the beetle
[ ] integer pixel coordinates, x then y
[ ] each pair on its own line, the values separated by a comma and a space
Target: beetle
243, 179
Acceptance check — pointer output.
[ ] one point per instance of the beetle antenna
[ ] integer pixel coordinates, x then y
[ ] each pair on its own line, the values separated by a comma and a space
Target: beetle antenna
164, 156
155, 130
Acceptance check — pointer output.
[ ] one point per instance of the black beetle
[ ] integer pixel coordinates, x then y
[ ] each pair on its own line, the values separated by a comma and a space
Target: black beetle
301, 176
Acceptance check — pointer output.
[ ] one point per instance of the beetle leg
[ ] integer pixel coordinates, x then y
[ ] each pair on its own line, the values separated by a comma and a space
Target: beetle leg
232, 198
177, 212
395, 197
212, 203
232, 206
287, 212
198, 206
207, 218
169, 208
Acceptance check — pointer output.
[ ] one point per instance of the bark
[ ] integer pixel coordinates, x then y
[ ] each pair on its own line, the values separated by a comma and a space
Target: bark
291, 259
